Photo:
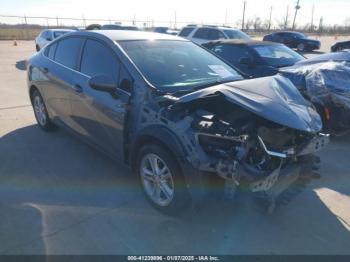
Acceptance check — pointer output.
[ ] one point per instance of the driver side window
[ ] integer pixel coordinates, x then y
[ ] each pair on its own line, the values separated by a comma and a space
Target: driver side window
232, 53
99, 59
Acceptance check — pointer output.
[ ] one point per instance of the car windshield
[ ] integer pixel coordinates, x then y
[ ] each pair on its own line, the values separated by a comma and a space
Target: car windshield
235, 34
278, 55
300, 35
174, 66
59, 33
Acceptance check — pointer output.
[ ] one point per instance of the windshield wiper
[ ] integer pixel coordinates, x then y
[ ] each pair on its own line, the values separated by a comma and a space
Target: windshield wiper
217, 82
205, 85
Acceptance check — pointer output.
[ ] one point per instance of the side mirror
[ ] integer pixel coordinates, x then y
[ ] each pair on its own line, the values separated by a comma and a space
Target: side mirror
246, 61
48, 39
103, 83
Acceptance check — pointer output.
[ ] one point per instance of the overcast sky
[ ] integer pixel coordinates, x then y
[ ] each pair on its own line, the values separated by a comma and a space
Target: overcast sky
333, 11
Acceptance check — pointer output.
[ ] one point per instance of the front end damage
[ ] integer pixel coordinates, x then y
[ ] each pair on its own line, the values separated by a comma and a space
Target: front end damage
326, 85
258, 135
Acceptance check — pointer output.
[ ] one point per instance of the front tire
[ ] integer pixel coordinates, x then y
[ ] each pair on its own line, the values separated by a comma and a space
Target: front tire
40, 112
37, 48
162, 180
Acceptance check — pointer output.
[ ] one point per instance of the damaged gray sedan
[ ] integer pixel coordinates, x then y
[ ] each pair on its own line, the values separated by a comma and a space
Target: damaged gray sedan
177, 115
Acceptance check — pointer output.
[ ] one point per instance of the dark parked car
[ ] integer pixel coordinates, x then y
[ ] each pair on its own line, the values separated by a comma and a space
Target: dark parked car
294, 40
322, 79
119, 27
93, 27
340, 46
176, 114
255, 58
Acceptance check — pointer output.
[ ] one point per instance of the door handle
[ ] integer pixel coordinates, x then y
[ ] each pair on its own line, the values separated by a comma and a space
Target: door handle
77, 88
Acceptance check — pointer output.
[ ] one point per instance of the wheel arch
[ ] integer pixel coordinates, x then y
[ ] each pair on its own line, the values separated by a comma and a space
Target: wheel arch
161, 136
32, 89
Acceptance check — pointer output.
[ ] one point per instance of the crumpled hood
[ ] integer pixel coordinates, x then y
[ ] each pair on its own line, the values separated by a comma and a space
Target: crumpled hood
274, 98
328, 57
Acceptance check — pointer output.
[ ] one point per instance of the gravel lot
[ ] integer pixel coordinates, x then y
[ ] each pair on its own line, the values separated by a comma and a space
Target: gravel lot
59, 196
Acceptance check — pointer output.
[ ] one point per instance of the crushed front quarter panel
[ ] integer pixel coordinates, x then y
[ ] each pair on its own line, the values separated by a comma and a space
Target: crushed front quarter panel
274, 98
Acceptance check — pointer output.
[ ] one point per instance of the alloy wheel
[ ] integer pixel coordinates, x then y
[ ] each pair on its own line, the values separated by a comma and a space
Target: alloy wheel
157, 179
40, 111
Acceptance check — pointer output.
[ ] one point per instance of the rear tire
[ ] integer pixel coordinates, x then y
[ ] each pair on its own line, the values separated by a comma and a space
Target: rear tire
162, 180
40, 112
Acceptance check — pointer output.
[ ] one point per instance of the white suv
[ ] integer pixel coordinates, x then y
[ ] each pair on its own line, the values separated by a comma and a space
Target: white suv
47, 36
204, 34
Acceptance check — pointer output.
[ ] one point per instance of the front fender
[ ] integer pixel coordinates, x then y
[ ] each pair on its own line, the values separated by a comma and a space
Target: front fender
162, 135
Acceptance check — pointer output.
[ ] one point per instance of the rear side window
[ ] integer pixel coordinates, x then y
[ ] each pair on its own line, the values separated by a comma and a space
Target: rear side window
216, 34
186, 31
202, 33
99, 59
57, 34
45, 34
52, 50
68, 51
209, 34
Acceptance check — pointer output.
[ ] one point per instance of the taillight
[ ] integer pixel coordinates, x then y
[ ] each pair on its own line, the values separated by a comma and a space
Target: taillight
327, 113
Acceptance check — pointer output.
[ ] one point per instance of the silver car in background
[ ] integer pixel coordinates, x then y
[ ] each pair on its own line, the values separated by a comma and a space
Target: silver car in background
207, 33
48, 35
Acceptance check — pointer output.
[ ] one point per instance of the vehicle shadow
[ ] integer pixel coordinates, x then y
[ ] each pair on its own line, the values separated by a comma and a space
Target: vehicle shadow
19, 224
62, 186
21, 65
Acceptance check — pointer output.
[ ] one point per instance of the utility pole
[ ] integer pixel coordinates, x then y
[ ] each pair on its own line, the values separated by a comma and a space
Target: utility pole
84, 21
270, 19
244, 4
297, 7
286, 19
225, 17
175, 25
312, 18
320, 25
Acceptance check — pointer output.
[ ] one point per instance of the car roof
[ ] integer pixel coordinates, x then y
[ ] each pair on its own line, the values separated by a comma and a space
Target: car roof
124, 35
290, 32
61, 30
243, 42
211, 26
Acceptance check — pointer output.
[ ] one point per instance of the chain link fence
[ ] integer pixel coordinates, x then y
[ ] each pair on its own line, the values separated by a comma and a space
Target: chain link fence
28, 27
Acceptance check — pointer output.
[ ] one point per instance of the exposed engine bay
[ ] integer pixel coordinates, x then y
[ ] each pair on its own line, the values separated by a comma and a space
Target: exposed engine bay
243, 148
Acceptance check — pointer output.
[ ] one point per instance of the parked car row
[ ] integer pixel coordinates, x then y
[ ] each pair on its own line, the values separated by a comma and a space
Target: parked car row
182, 117
202, 34
322, 79
294, 40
